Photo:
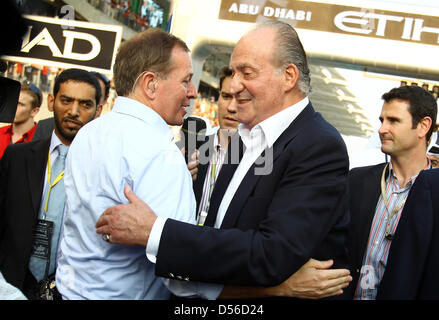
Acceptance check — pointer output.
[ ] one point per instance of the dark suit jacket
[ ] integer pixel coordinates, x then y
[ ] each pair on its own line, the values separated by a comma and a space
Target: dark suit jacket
275, 222
21, 186
364, 191
202, 169
44, 129
412, 270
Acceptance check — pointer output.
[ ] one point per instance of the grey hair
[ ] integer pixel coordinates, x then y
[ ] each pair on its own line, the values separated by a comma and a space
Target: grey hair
288, 50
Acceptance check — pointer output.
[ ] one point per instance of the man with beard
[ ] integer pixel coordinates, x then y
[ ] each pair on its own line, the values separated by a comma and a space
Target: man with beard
32, 187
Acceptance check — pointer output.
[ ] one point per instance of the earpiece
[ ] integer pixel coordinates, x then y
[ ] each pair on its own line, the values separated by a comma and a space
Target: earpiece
151, 85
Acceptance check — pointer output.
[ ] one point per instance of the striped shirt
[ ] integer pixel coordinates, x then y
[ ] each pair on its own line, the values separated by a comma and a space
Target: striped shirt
215, 164
378, 246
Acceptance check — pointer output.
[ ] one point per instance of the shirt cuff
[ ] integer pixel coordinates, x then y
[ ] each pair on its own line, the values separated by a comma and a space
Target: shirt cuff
152, 247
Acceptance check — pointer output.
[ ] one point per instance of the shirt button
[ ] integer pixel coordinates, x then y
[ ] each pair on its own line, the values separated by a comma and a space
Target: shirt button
377, 243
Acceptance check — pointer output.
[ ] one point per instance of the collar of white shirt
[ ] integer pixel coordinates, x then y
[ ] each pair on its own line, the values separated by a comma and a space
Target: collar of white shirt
54, 142
142, 112
273, 126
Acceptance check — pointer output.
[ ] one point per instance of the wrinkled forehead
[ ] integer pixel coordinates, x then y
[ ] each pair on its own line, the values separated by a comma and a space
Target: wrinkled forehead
256, 45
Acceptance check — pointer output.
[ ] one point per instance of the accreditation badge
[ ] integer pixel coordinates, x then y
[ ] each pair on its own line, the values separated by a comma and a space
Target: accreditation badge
42, 239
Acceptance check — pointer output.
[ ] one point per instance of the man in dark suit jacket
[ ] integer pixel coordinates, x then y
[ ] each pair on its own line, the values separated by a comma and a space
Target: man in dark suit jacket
23, 172
377, 193
289, 206
44, 129
413, 263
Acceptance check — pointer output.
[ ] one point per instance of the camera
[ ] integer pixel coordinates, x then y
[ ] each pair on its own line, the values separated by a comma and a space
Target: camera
12, 21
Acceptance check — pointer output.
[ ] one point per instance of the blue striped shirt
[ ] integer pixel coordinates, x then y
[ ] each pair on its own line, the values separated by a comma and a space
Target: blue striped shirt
378, 246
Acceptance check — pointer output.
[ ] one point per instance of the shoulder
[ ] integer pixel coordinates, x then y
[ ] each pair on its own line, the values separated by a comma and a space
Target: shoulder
367, 171
20, 149
5, 128
429, 177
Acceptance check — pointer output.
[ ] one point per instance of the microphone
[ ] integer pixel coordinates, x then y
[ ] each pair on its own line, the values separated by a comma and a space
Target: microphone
194, 133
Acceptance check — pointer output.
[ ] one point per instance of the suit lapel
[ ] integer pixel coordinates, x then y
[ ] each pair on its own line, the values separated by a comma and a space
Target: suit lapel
225, 175
371, 194
259, 168
36, 167
202, 171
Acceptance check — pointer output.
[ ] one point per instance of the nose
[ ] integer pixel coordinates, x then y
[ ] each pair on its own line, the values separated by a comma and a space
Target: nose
192, 92
74, 109
232, 107
383, 128
236, 85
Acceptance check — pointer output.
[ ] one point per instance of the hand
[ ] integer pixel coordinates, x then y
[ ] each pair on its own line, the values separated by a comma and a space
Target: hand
128, 224
314, 280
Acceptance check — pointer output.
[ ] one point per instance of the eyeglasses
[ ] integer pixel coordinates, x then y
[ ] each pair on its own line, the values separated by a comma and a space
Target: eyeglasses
35, 90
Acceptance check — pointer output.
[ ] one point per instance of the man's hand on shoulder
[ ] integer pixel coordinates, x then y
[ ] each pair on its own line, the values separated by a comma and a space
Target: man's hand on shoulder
127, 224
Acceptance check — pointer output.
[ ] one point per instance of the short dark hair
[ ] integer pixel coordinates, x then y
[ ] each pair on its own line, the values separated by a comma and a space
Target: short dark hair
106, 82
78, 75
422, 104
224, 73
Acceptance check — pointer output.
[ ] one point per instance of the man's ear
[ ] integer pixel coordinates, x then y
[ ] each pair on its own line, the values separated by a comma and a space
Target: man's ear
98, 111
50, 102
291, 75
424, 126
148, 82
34, 112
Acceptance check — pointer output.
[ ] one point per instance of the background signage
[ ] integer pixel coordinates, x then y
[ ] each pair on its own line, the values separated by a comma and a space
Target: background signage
68, 43
368, 22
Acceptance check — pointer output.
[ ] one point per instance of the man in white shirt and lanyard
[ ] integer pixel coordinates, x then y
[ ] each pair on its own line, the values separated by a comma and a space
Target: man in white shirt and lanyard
282, 204
378, 193
131, 145
32, 190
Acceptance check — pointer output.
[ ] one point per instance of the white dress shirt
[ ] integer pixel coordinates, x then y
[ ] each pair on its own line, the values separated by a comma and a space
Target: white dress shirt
130, 145
261, 136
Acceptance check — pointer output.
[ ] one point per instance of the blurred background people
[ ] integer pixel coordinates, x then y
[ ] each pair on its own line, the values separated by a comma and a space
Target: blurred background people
23, 127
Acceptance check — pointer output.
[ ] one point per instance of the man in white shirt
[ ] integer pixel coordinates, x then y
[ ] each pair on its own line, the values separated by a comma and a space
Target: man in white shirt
131, 145
283, 203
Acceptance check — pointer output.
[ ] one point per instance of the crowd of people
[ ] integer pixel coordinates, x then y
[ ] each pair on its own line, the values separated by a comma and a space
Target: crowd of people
136, 14
105, 207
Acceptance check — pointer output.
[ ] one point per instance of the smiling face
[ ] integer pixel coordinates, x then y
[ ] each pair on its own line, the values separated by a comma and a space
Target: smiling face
256, 83
176, 89
73, 107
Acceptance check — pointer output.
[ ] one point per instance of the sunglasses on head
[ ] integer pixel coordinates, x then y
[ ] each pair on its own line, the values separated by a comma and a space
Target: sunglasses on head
35, 90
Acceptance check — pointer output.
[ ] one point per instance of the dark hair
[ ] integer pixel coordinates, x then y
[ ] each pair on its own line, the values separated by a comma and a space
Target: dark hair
78, 75
422, 104
106, 81
149, 50
224, 73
